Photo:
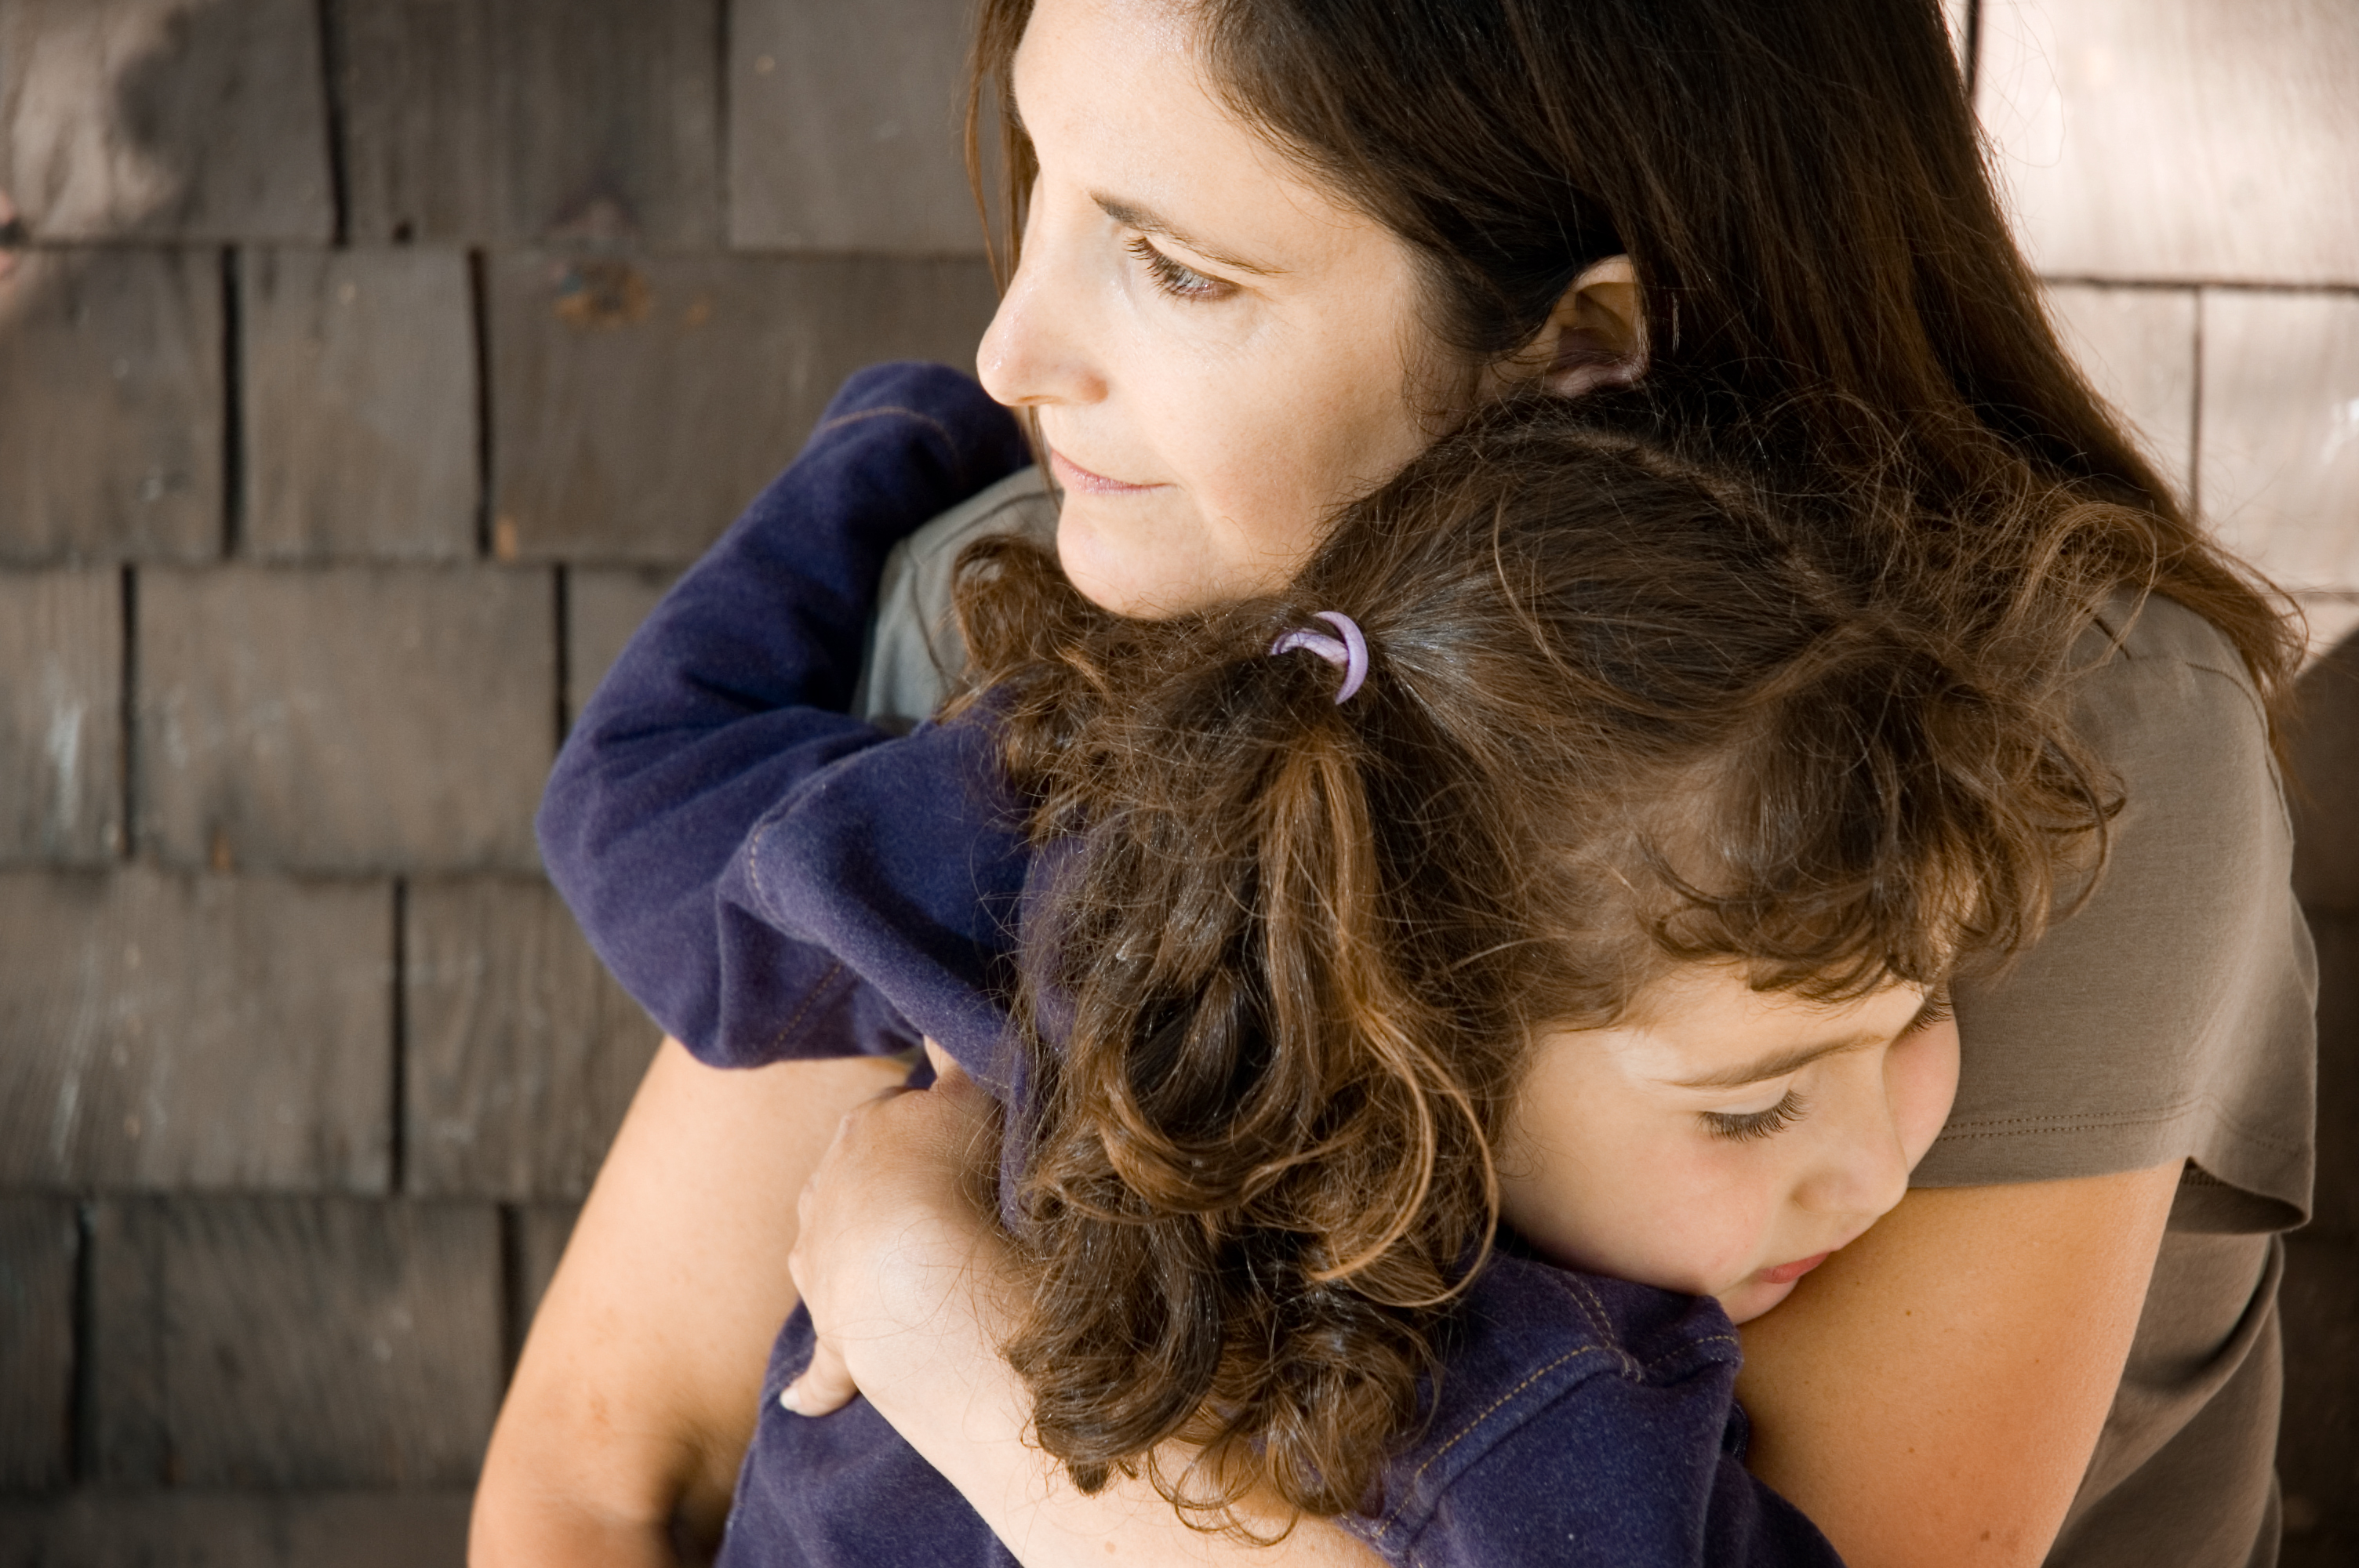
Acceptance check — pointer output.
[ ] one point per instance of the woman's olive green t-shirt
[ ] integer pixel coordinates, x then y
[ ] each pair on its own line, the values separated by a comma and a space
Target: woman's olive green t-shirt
2168, 1019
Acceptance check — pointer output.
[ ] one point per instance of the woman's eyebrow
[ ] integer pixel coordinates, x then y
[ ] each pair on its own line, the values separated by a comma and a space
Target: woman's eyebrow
1147, 220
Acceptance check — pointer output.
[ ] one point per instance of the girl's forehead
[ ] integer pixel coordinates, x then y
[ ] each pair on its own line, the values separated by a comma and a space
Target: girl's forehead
1704, 1026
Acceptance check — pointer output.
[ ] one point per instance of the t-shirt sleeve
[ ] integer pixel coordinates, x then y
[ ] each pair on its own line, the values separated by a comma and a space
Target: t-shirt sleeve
2170, 1017
733, 694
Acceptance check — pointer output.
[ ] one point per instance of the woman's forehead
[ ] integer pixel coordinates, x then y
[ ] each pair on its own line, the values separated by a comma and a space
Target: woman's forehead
1114, 96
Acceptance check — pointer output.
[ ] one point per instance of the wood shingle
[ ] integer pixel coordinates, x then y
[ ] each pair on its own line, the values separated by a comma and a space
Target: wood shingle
522, 1051
166, 1031
111, 406
637, 404
295, 1343
362, 718
847, 126
359, 416
61, 716
594, 122
164, 119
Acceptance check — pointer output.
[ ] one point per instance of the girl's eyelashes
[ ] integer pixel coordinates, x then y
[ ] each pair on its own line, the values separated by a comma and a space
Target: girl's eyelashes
1936, 1010
1169, 276
1750, 1124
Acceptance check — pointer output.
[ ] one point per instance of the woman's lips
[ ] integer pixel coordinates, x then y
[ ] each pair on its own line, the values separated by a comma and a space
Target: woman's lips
1786, 1273
1073, 476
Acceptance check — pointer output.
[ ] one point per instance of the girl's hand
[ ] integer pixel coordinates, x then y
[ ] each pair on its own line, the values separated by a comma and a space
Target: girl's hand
895, 1239
906, 1272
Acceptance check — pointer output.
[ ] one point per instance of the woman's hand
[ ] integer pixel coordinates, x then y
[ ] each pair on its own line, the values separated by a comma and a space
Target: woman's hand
895, 1248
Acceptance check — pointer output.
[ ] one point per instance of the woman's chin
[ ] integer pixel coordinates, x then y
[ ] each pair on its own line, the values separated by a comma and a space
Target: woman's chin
1122, 565
1102, 571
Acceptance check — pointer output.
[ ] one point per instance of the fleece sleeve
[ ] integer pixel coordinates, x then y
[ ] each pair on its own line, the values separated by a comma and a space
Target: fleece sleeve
732, 696
1586, 1423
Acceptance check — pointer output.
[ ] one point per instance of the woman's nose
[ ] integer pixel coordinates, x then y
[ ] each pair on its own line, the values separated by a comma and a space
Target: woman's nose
1035, 354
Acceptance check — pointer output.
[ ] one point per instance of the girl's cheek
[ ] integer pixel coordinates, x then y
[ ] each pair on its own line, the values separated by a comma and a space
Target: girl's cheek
1703, 1212
1923, 1086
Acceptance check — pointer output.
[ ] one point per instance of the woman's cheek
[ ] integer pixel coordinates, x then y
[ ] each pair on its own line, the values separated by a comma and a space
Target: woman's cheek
1269, 473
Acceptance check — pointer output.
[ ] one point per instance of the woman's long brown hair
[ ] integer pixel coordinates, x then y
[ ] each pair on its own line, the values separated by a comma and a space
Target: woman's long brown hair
1798, 183
1633, 704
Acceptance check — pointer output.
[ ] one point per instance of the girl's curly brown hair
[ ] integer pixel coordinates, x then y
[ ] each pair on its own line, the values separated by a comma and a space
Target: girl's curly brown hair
1632, 705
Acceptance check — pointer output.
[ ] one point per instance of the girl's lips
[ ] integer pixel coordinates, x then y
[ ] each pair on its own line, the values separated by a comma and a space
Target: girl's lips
1786, 1273
1073, 476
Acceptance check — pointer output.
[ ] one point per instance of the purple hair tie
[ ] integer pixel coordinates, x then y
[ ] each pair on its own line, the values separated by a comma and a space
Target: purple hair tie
1350, 656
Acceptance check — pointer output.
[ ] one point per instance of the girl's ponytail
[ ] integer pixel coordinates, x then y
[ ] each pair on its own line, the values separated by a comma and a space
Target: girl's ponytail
1245, 1112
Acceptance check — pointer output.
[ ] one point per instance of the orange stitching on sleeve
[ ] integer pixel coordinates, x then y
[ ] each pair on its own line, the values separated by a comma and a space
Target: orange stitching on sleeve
785, 1030
1469, 1429
841, 421
1590, 1304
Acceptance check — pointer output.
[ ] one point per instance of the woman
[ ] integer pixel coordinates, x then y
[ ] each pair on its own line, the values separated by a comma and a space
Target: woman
1271, 251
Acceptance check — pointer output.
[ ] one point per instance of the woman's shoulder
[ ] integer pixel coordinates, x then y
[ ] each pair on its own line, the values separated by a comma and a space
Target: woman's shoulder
2144, 639
2169, 1015
914, 652
2164, 701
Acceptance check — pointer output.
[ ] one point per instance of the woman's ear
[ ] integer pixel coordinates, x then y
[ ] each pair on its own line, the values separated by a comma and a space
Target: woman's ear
1595, 336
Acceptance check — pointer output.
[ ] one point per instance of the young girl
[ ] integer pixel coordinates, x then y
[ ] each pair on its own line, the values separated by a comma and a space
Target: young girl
1638, 846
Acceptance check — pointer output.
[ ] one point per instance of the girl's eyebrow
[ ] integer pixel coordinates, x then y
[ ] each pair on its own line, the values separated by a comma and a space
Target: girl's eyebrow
1800, 1057
1778, 1066
1147, 220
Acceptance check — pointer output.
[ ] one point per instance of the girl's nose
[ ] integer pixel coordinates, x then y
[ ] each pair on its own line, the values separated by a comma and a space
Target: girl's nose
1034, 355
1862, 1169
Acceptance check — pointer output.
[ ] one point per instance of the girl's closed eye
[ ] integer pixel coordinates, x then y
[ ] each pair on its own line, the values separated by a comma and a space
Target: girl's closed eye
1936, 1010
1749, 1124
1174, 279
1792, 1107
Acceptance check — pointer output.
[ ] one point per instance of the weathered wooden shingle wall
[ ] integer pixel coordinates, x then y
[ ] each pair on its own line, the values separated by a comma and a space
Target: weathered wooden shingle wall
366, 369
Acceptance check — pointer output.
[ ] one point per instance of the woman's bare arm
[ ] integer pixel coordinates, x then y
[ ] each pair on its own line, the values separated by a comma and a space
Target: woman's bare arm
1932, 1397
635, 1397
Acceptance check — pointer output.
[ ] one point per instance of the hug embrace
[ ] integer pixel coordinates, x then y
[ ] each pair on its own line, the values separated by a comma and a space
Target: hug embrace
1593, 875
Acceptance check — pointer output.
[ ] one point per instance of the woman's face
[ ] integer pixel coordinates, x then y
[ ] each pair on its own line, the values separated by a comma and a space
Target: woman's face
1724, 1141
1218, 351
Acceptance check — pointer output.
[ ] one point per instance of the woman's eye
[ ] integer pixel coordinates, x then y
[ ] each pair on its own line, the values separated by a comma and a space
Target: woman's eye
1743, 1125
1179, 282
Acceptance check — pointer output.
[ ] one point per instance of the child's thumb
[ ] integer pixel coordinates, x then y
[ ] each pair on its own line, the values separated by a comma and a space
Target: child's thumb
948, 1074
825, 1385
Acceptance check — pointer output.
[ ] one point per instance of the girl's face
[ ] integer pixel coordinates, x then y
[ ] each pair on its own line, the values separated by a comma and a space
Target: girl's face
1724, 1140
1219, 353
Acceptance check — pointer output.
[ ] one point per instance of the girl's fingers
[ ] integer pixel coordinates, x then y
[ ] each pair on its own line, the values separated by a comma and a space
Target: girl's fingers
975, 1110
946, 1068
825, 1385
